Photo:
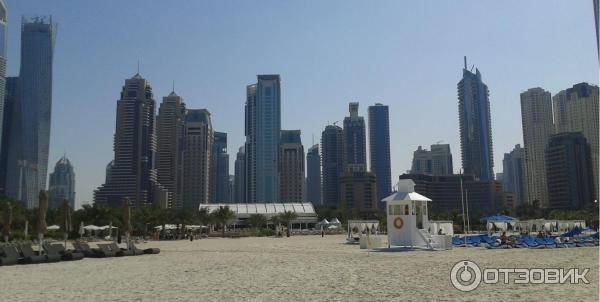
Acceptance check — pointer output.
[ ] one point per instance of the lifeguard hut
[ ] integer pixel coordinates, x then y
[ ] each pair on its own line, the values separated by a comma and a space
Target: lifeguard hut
407, 221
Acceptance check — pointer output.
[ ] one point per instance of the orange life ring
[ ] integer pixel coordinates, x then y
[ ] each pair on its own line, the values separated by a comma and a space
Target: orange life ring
398, 223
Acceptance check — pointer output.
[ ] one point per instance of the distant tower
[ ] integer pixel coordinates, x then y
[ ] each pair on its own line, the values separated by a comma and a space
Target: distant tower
10, 99
313, 175
379, 149
220, 169
170, 129
197, 158
239, 183
3, 84
597, 18
437, 162
475, 126
133, 174
62, 184
30, 137
355, 149
332, 148
514, 176
291, 167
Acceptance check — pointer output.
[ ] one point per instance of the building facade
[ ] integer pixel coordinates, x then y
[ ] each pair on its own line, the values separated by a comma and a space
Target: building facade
536, 117
30, 132
313, 175
379, 149
3, 84
197, 158
438, 161
10, 99
358, 194
570, 177
355, 148
291, 167
62, 184
475, 126
239, 182
133, 174
170, 129
514, 176
332, 163
220, 169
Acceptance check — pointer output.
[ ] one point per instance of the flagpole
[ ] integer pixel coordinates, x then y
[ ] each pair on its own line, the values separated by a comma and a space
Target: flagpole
462, 202
467, 205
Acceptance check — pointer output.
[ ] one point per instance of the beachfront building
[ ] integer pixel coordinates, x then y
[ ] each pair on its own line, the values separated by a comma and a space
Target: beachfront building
62, 184
355, 140
332, 163
536, 117
475, 126
220, 169
438, 161
27, 163
291, 167
262, 128
133, 173
239, 182
379, 149
313, 175
358, 194
169, 138
197, 158
306, 215
514, 177
570, 177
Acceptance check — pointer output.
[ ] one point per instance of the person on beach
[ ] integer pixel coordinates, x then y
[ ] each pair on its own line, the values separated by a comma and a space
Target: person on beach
440, 232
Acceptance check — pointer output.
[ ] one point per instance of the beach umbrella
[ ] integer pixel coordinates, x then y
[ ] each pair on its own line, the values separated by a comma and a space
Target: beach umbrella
7, 221
126, 219
53, 227
66, 209
41, 217
81, 229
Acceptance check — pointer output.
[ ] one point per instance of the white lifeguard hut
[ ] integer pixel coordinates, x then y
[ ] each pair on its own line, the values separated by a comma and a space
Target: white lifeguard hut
407, 220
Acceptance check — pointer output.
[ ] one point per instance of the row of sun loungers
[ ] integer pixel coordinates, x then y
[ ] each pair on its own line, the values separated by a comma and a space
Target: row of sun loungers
23, 253
525, 241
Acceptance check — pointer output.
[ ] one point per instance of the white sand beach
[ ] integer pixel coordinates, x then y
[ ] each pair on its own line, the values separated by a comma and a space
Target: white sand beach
300, 268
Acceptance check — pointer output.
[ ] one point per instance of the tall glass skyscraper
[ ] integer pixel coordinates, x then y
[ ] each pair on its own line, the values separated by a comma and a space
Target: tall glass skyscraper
220, 169
62, 184
379, 149
10, 99
313, 175
262, 129
355, 140
332, 148
3, 21
475, 126
28, 152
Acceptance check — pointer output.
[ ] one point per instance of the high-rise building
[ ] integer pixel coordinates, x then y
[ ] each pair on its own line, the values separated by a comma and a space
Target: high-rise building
597, 18
170, 129
291, 167
62, 184
197, 158
3, 21
30, 132
576, 110
332, 164
10, 99
355, 148
262, 128
358, 194
379, 149
475, 126
514, 176
313, 175
536, 116
570, 179
133, 173
438, 161
220, 169
239, 183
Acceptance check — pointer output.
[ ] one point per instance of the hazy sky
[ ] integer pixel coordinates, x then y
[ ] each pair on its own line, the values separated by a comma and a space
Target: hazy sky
405, 54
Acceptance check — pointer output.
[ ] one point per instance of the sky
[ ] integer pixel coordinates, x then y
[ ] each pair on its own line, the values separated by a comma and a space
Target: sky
405, 54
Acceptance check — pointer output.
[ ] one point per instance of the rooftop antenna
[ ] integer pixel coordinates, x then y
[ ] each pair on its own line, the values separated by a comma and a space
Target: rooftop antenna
138, 67
173, 85
472, 68
465, 62
313, 139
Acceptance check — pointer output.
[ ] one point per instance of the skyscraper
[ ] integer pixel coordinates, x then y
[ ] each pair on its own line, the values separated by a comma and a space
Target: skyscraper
291, 167
570, 179
62, 184
3, 21
438, 161
10, 99
30, 132
536, 116
576, 110
239, 183
358, 194
133, 173
197, 158
220, 169
332, 147
355, 149
475, 126
514, 176
313, 175
262, 128
379, 149
170, 129
597, 19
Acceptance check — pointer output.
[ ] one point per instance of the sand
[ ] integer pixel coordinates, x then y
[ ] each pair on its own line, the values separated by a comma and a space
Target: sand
300, 268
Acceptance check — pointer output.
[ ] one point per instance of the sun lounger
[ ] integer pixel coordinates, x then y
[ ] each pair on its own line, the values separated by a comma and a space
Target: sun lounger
59, 249
8, 255
457, 241
108, 251
531, 242
82, 247
146, 251
29, 255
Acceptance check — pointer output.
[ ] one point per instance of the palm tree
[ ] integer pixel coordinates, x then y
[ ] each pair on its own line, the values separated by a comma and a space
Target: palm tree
223, 216
286, 217
257, 220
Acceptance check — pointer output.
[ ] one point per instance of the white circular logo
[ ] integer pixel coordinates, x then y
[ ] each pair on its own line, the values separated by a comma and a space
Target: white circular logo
465, 275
